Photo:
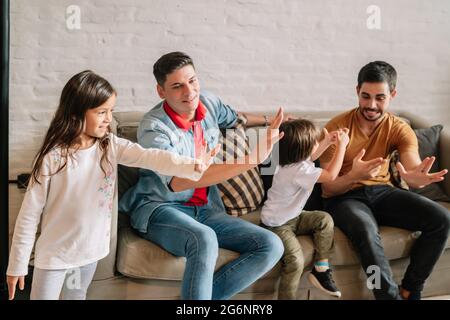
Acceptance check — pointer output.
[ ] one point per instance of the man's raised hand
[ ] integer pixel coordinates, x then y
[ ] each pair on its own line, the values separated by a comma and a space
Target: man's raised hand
420, 176
363, 170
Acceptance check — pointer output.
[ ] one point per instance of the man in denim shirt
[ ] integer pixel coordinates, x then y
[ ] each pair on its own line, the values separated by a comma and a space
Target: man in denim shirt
188, 218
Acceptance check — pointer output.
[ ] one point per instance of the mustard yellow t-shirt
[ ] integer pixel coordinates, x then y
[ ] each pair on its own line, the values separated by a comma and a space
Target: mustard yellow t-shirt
391, 134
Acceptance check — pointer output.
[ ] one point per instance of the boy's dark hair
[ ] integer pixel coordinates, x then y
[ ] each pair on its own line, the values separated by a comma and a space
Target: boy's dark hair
378, 71
168, 63
300, 136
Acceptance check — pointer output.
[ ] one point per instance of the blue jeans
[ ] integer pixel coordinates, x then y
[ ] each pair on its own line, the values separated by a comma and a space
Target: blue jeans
359, 212
197, 233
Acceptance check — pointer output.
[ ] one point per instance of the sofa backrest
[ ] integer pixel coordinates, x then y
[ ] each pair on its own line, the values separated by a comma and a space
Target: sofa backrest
125, 125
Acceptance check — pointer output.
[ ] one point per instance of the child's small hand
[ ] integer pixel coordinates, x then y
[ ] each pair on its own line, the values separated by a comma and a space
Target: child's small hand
329, 138
12, 282
343, 138
206, 158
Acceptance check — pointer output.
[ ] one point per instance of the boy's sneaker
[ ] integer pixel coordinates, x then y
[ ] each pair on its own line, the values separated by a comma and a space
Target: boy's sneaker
324, 281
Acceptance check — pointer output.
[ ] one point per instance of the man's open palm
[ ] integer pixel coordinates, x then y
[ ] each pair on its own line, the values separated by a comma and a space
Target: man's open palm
420, 176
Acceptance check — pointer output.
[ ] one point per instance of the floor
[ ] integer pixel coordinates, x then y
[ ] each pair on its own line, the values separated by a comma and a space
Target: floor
438, 298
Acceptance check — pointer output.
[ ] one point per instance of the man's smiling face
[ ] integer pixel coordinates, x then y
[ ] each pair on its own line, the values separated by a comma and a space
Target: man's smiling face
181, 90
374, 99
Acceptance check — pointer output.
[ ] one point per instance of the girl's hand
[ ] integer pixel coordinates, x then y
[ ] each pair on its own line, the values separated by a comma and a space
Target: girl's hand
12, 282
206, 158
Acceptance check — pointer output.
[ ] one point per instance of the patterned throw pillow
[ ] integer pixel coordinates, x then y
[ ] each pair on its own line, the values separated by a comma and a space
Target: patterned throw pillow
396, 179
244, 193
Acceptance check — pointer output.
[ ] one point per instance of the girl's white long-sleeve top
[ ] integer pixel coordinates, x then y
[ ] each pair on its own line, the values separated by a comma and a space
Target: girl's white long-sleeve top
76, 204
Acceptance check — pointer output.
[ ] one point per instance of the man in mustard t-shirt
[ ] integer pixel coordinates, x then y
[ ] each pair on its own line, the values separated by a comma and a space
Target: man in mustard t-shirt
362, 197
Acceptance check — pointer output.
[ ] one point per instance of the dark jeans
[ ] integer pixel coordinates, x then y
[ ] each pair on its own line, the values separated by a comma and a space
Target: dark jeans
359, 212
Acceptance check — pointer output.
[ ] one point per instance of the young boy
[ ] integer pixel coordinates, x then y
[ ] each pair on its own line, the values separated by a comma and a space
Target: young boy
283, 213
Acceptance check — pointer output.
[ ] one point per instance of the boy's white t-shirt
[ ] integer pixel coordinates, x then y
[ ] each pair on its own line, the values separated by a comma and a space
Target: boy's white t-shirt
291, 188
76, 204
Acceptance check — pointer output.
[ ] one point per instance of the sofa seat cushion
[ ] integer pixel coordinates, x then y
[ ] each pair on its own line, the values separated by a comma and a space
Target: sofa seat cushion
140, 258
397, 243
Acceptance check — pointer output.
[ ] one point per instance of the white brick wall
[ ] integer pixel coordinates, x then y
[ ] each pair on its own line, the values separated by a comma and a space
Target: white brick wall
256, 55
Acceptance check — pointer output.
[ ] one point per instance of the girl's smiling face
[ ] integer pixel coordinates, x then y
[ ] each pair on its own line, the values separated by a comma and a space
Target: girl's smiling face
97, 120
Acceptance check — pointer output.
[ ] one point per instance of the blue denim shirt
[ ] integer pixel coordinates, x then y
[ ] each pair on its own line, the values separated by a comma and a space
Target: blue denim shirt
156, 130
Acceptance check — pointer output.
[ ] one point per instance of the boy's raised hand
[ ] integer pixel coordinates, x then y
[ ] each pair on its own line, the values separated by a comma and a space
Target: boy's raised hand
12, 282
343, 137
329, 138
336, 137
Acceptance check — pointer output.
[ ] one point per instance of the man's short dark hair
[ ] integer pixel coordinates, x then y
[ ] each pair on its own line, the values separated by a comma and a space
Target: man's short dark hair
378, 71
300, 136
168, 63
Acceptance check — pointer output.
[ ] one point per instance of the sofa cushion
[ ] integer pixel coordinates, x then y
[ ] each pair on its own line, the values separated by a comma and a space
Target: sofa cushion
396, 178
243, 193
140, 258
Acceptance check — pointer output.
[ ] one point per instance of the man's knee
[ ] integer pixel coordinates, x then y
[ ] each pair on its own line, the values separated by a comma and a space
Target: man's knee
271, 244
440, 218
203, 243
445, 221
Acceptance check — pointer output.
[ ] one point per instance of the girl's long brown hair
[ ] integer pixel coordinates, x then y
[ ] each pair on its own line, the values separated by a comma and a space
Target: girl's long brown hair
85, 90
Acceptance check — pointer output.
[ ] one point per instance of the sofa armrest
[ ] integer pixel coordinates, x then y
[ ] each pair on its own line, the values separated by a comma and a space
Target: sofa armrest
445, 157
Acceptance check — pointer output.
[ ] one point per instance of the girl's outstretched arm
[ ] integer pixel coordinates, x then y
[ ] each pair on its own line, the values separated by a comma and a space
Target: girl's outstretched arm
162, 161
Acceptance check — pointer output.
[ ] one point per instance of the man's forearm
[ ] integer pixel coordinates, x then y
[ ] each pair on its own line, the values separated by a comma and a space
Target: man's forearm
254, 120
215, 174
339, 186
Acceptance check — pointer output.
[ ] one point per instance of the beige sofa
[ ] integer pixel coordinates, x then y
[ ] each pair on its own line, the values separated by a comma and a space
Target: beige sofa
139, 269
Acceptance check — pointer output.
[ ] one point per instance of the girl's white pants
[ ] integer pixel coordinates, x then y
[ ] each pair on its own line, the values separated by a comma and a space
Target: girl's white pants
67, 284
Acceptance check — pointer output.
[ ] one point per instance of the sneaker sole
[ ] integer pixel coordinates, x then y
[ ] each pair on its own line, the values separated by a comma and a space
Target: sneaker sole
317, 284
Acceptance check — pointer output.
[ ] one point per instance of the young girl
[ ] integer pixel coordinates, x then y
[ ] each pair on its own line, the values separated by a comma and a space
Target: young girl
283, 213
72, 187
